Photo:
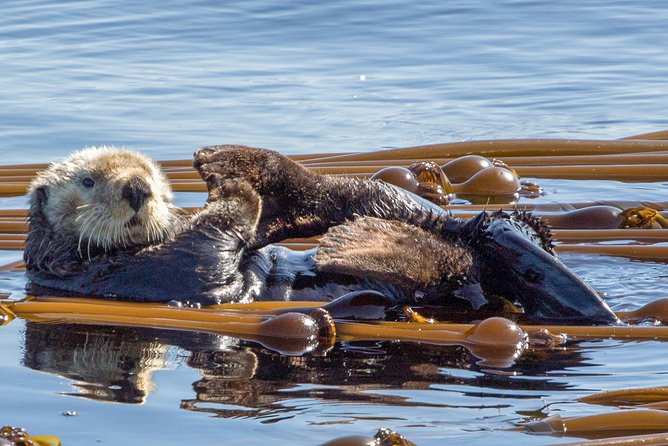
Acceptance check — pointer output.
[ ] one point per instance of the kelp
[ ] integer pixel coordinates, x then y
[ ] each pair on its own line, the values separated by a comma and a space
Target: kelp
472, 171
298, 327
17, 436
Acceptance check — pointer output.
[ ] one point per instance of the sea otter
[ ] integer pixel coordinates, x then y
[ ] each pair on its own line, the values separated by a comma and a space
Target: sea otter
102, 225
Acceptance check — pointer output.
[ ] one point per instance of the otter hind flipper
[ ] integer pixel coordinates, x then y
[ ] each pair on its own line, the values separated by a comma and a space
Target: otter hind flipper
391, 251
267, 171
516, 262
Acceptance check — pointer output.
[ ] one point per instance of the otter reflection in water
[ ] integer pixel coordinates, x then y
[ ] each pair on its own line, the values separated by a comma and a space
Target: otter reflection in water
102, 225
239, 378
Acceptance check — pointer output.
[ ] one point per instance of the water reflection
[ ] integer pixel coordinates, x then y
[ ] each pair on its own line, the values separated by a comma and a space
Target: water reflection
242, 379
105, 363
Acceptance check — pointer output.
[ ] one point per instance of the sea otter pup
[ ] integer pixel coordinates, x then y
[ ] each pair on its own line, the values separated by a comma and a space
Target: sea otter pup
102, 224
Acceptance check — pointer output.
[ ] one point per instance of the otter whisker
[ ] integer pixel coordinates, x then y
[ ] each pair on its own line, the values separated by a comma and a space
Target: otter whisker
124, 235
83, 206
81, 235
148, 229
121, 235
95, 234
147, 226
111, 233
88, 247
94, 222
116, 235
161, 228
160, 233
153, 231
85, 214
83, 231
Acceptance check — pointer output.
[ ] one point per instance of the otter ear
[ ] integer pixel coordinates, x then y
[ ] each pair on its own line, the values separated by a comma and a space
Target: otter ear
392, 252
38, 198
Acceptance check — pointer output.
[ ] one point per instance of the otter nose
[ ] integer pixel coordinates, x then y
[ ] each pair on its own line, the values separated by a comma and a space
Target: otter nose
136, 191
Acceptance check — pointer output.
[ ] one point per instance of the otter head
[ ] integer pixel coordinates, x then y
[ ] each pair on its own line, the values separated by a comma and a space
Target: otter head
100, 199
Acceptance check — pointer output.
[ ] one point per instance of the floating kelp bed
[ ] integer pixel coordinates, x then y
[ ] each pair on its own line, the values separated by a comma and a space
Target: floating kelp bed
631, 229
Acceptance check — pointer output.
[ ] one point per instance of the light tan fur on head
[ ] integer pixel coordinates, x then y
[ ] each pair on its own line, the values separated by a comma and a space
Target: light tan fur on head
82, 198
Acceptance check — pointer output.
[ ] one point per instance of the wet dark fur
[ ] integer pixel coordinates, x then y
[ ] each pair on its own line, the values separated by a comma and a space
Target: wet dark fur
301, 203
540, 226
45, 249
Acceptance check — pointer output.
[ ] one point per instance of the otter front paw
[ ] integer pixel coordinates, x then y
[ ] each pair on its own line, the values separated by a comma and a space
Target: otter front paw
232, 206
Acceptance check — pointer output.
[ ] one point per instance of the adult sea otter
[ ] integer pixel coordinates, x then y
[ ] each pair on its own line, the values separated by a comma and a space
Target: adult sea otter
102, 225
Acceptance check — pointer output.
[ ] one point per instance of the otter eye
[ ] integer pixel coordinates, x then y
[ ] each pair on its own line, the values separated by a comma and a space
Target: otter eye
88, 182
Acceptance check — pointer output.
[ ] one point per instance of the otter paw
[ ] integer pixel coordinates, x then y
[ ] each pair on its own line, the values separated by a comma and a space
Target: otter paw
222, 189
213, 183
233, 207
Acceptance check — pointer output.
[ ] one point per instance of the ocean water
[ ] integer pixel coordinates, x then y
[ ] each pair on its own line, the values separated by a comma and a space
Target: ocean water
167, 77
301, 77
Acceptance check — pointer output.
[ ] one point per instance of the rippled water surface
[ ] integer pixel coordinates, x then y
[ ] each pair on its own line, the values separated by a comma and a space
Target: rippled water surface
167, 77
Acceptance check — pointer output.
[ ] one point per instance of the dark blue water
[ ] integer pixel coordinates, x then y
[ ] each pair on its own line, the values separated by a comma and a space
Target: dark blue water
167, 77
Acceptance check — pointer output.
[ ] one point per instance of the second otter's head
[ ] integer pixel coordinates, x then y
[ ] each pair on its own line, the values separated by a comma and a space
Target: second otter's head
102, 199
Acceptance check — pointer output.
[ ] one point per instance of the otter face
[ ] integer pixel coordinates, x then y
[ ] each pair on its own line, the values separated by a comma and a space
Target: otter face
105, 198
